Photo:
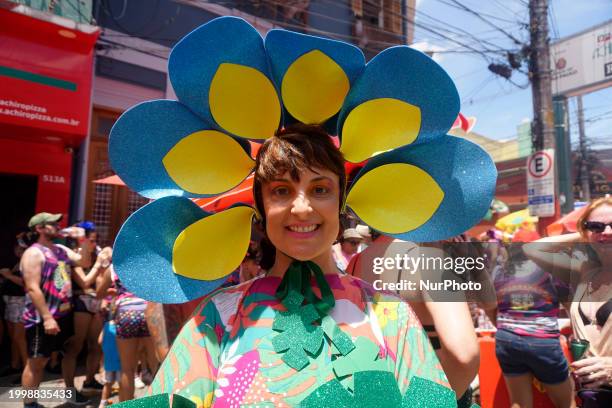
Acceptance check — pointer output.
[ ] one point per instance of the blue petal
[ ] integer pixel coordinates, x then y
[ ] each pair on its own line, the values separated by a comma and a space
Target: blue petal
411, 76
464, 171
142, 255
141, 138
194, 60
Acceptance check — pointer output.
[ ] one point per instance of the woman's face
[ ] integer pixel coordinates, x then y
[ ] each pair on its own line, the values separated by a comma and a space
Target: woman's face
601, 241
601, 214
350, 245
302, 217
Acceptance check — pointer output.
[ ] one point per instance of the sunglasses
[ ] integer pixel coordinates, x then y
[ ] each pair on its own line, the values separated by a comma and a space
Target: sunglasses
596, 226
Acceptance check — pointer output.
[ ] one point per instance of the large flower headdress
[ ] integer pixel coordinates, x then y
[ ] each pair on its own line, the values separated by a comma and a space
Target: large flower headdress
233, 86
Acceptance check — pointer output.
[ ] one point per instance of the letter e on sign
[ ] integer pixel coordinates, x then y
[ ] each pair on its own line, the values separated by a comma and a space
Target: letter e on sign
539, 164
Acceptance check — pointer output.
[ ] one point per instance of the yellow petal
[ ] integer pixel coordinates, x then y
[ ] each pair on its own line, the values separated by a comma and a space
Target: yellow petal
377, 126
214, 246
314, 87
395, 198
207, 162
244, 102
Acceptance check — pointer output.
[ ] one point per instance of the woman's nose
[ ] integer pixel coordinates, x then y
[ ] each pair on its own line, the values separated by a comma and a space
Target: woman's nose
301, 204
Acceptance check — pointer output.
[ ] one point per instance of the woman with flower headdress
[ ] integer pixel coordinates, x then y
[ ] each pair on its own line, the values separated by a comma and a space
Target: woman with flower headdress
303, 334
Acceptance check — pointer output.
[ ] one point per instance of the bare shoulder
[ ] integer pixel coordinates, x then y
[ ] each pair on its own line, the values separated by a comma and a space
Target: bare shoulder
30, 258
33, 254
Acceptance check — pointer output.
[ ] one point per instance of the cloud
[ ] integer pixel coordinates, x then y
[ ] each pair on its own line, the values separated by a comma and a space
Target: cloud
428, 48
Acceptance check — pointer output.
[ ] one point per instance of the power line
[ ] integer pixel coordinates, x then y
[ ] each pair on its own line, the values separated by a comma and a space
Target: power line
482, 13
461, 6
342, 36
477, 89
422, 26
553, 20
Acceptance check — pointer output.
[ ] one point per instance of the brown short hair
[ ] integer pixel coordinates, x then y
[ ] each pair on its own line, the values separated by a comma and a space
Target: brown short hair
607, 200
295, 149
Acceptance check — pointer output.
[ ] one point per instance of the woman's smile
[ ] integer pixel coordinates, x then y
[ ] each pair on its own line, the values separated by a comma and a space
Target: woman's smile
302, 231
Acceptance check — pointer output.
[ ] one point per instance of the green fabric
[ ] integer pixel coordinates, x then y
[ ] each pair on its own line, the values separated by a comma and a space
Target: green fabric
379, 389
297, 278
298, 334
342, 343
157, 401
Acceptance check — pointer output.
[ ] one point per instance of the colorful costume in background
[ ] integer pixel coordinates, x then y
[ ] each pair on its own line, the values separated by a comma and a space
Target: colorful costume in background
310, 339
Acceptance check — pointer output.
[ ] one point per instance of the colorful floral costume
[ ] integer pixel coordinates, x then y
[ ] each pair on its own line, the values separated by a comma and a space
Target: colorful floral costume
349, 345
227, 350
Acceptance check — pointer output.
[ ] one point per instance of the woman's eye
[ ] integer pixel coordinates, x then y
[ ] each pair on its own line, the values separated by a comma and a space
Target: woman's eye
321, 190
280, 191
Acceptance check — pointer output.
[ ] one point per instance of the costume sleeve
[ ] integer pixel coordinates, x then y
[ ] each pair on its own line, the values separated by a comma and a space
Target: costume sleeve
190, 368
414, 354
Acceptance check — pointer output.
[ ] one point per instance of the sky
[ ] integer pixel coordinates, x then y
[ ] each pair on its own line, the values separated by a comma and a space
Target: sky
498, 105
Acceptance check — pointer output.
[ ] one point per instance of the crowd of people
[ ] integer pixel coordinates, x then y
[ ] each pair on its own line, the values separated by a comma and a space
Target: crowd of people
59, 298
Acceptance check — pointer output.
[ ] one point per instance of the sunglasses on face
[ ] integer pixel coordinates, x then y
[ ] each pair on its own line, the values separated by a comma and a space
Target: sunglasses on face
596, 226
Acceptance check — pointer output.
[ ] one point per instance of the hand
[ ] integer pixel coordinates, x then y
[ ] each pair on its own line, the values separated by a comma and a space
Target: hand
593, 372
51, 326
104, 258
104, 307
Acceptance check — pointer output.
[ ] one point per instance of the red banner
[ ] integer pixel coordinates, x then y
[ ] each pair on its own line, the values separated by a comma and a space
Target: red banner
46, 73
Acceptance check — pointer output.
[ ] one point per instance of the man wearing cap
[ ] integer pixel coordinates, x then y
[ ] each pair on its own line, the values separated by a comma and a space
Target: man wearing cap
47, 317
346, 248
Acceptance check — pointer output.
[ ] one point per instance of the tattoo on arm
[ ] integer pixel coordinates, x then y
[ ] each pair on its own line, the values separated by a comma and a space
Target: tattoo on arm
154, 315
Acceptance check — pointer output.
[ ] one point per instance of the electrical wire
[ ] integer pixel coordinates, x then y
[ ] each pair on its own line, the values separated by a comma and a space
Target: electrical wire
477, 89
553, 20
470, 49
106, 6
461, 6
336, 35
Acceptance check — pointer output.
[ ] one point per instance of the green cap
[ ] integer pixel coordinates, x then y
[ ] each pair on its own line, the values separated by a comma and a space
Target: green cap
43, 218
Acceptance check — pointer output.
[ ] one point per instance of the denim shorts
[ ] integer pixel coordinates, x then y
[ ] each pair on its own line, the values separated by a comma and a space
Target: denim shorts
543, 357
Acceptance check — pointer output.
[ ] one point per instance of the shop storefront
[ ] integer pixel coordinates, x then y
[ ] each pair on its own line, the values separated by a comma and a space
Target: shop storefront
45, 104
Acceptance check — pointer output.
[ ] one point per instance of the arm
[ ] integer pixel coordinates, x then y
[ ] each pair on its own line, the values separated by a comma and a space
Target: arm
103, 284
154, 315
8, 275
31, 266
102, 263
459, 353
86, 280
548, 253
75, 257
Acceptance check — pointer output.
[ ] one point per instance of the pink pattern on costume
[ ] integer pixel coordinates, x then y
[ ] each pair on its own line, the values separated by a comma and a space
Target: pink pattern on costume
235, 380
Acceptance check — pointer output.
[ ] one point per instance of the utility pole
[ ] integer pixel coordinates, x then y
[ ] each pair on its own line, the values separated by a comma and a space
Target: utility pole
543, 132
584, 170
